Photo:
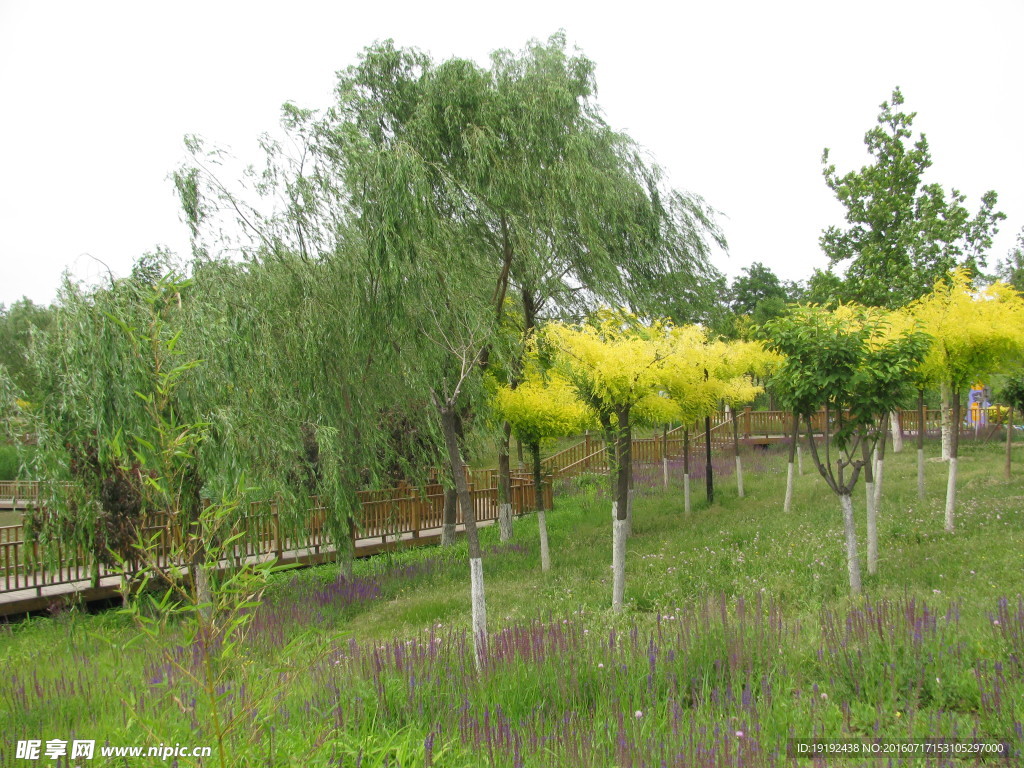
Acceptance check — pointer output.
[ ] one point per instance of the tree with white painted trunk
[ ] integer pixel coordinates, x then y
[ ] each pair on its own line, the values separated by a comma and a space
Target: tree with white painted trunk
686, 380
975, 332
846, 361
1013, 395
542, 406
737, 364
613, 362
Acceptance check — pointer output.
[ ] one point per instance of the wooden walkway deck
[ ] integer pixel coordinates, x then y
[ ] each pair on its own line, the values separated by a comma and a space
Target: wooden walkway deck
57, 596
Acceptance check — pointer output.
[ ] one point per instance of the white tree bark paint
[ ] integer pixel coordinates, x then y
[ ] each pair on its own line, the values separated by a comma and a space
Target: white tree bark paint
629, 512
869, 498
739, 476
947, 427
950, 495
799, 460
618, 563
479, 603
920, 474
664, 473
505, 521
788, 505
879, 473
897, 432
850, 532
545, 555
686, 492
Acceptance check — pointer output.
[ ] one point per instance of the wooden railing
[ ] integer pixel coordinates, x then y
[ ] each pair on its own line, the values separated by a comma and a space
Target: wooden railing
387, 514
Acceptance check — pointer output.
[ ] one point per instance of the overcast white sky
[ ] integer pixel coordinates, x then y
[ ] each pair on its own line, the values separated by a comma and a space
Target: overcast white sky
735, 99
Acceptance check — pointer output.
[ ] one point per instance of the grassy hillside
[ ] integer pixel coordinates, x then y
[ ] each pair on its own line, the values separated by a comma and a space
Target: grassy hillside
738, 635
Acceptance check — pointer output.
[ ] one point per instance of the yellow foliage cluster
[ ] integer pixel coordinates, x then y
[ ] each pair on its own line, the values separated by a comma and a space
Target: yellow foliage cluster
542, 407
974, 331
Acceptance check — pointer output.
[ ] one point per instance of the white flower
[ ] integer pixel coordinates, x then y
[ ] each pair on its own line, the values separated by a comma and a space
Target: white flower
638, 714
739, 734
600, 666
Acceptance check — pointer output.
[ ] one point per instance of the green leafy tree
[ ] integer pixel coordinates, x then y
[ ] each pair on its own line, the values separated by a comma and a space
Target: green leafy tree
1011, 269
17, 324
902, 234
845, 362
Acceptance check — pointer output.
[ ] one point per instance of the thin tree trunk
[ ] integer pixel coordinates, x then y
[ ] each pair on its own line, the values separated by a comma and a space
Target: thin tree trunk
788, 504
664, 457
505, 484
869, 500
686, 471
519, 454
618, 559
1009, 439
799, 461
542, 523
709, 482
476, 571
450, 515
920, 444
629, 481
850, 533
947, 435
879, 477
736, 451
954, 450
619, 530
897, 431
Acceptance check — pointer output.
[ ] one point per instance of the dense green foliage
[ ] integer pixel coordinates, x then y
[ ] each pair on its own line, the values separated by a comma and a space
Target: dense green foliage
903, 234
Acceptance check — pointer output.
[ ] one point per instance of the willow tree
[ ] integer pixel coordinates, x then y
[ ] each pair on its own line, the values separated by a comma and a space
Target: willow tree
119, 436
541, 407
975, 332
843, 361
612, 364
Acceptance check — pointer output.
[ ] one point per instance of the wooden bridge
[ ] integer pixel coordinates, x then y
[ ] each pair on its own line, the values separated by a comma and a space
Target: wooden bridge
387, 518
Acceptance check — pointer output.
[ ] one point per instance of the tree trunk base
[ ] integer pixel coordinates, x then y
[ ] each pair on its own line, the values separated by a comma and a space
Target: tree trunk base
505, 521
920, 474
739, 476
686, 493
788, 504
869, 500
618, 564
447, 534
950, 495
545, 555
850, 532
479, 602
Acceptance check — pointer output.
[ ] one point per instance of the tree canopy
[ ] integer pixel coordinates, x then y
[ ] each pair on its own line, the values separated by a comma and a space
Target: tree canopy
902, 232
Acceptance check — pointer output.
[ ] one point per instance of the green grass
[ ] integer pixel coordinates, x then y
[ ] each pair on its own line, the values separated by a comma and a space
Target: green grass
735, 597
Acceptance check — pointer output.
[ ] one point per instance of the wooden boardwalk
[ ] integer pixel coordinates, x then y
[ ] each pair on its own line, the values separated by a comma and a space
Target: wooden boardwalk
49, 597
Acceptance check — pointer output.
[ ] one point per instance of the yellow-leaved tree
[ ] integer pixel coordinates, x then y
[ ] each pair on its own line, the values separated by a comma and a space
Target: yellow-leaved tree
543, 405
974, 332
736, 365
613, 363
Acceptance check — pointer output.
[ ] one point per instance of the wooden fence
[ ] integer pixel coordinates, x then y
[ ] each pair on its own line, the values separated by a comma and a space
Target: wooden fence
389, 514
